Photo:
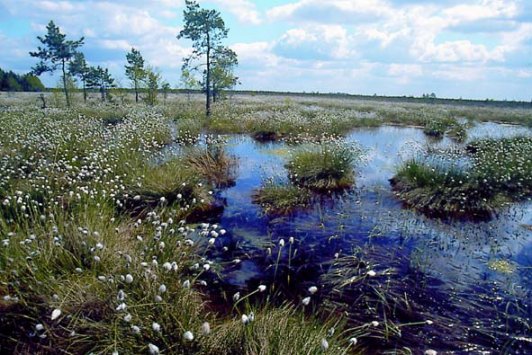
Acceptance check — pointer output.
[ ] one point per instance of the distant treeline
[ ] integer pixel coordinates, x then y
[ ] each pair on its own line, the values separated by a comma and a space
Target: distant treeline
10, 81
426, 98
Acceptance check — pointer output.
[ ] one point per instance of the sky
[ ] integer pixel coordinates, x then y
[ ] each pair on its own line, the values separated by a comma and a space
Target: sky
474, 49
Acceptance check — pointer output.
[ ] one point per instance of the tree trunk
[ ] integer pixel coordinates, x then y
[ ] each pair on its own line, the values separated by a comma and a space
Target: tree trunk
136, 92
208, 79
43, 106
65, 84
214, 93
84, 91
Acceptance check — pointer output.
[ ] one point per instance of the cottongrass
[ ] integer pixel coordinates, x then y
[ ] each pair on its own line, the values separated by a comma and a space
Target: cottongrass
495, 172
326, 166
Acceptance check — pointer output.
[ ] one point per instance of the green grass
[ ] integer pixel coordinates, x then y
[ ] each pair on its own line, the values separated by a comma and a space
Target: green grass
170, 184
277, 198
500, 171
457, 132
84, 211
277, 330
326, 166
212, 163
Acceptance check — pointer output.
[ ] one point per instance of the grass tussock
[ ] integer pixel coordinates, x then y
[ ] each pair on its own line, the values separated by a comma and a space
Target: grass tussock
281, 198
325, 166
497, 171
170, 184
278, 330
213, 164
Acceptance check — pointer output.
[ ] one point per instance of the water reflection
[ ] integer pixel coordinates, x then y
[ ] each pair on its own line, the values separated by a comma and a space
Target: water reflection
454, 256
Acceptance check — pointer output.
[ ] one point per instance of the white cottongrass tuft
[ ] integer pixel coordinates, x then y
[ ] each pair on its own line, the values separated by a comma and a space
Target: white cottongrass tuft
135, 329
371, 273
205, 328
153, 349
55, 314
305, 301
236, 296
156, 327
312, 290
324, 344
188, 336
262, 288
129, 278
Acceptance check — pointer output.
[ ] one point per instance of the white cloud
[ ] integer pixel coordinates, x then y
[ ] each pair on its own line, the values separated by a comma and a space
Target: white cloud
460, 73
331, 10
115, 44
408, 70
256, 54
321, 42
244, 10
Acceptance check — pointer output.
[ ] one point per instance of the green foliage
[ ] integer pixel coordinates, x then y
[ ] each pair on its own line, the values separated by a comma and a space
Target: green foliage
166, 90
55, 53
100, 78
223, 71
79, 68
152, 80
206, 29
10, 81
135, 70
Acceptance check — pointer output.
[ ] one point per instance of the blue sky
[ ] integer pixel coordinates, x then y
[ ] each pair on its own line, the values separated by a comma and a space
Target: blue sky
471, 49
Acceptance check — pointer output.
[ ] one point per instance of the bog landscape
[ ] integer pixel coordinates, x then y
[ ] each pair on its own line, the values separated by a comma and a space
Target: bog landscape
141, 218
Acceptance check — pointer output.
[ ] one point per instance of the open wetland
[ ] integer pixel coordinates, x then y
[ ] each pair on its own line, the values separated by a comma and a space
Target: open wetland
150, 228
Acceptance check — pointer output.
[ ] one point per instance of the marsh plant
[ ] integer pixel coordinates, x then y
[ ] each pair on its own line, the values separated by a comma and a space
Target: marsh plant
497, 171
212, 162
277, 197
169, 184
324, 166
81, 273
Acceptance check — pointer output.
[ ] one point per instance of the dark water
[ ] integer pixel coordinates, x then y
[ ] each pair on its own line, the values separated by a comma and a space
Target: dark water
452, 272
